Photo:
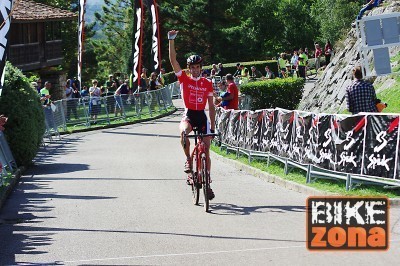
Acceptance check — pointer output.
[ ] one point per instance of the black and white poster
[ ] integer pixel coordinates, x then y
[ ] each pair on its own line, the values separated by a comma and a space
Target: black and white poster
381, 146
326, 146
348, 134
310, 137
233, 128
253, 131
242, 129
222, 122
267, 130
282, 137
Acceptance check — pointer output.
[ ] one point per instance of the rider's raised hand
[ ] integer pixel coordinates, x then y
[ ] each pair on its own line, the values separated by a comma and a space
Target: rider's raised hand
172, 34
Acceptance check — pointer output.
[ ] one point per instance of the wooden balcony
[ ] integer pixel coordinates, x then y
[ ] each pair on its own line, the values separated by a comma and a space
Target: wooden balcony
33, 56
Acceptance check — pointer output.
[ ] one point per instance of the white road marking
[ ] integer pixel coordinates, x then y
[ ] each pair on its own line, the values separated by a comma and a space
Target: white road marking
185, 254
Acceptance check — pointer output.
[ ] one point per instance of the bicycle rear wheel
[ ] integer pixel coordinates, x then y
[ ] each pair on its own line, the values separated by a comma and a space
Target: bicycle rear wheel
195, 189
206, 184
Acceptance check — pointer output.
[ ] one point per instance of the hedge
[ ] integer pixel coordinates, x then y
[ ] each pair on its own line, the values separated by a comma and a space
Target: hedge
283, 93
231, 68
25, 126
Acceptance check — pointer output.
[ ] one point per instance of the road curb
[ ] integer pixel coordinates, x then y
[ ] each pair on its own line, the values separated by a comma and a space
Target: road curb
282, 182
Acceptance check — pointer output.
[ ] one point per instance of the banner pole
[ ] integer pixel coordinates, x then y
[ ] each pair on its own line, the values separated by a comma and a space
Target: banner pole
397, 151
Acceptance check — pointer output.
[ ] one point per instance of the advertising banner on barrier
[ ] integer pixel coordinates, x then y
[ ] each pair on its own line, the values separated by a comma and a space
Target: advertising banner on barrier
381, 146
233, 128
223, 123
348, 135
282, 138
310, 137
254, 127
242, 129
267, 130
297, 148
326, 146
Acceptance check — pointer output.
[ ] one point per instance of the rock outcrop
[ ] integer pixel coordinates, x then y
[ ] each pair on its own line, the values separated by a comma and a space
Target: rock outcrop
328, 93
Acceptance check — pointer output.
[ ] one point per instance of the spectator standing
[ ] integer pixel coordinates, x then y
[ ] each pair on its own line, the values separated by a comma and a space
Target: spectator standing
328, 52
233, 94
121, 95
71, 102
84, 92
222, 93
45, 99
160, 78
294, 61
76, 86
318, 53
221, 70
95, 103
282, 65
360, 95
38, 86
244, 74
302, 64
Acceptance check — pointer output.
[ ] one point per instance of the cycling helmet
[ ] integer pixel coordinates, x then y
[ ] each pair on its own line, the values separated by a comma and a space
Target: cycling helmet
194, 60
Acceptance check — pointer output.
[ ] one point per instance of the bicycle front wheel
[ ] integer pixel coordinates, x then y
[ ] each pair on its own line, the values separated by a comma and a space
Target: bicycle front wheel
206, 182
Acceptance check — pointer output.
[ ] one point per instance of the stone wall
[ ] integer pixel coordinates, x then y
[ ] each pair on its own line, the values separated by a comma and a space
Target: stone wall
328, 93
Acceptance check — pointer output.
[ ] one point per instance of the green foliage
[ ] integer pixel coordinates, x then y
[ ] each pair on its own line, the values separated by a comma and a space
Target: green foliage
25, 126
334, 17
282, 93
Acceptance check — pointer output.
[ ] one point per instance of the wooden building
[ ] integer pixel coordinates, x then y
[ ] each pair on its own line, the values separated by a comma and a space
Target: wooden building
35, 35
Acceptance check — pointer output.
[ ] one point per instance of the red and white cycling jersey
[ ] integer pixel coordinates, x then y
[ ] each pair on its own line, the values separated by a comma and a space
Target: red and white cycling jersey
194, 91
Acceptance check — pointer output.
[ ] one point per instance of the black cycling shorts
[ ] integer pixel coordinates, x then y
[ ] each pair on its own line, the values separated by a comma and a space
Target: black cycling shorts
197, 119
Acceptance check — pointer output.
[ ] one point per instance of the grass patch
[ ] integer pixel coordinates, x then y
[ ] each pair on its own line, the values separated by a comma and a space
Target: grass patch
299, 176
6, 182
391, 96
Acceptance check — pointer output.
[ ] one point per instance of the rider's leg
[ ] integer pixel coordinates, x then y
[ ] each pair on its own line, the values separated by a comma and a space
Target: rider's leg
185, 128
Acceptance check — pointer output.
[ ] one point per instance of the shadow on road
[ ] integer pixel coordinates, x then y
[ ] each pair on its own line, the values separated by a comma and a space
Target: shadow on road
31, 201
143, 134
232, 209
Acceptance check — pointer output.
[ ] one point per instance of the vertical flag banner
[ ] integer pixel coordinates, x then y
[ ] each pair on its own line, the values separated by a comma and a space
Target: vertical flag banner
348, 135
138, 42
156, 47
81, 36
5, 23
381, 149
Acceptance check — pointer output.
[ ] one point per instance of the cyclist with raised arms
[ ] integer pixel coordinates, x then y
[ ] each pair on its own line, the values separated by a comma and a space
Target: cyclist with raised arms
196, 91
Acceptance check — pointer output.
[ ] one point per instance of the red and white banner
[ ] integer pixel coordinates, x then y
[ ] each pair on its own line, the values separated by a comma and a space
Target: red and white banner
156, 48
5, 23
137, 45
81, 36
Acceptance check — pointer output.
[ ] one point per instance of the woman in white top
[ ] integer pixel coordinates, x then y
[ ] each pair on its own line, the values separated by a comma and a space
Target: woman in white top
294, 61
95, 103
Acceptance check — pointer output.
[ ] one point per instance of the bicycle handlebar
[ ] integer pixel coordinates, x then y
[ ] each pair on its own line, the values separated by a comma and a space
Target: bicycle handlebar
203, 135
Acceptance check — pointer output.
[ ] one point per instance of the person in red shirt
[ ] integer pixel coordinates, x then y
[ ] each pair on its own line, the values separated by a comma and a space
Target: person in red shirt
233, 94
196, 91
318, 53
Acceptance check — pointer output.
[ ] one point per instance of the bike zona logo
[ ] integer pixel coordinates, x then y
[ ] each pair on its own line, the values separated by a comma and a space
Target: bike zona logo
347, 223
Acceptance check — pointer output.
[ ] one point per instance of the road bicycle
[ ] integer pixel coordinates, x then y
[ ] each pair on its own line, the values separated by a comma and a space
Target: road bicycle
199, 178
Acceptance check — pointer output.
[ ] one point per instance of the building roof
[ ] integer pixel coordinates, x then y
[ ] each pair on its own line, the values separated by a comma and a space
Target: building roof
30, 11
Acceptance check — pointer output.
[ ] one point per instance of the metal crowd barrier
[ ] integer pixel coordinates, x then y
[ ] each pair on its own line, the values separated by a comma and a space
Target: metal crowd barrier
87, 111
7, 161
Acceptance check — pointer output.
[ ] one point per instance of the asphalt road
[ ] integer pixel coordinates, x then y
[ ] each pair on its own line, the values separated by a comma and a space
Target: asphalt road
118, 197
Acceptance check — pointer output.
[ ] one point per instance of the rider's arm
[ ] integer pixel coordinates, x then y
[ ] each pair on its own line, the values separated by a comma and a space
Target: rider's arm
172, 53
211, 112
